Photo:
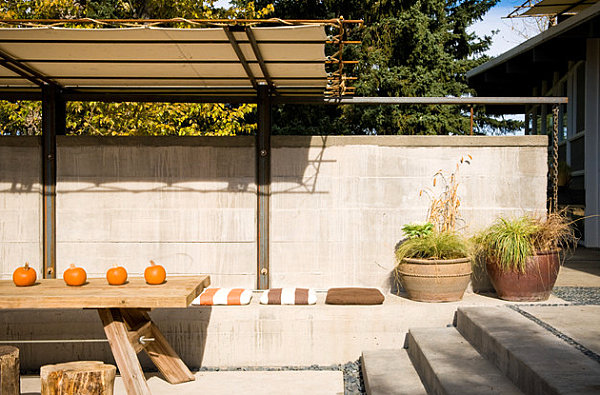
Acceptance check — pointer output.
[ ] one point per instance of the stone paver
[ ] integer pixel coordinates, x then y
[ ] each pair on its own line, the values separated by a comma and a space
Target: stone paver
580, 323
581, 270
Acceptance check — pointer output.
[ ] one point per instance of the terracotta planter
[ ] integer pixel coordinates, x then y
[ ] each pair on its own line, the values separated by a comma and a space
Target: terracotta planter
535, 284
428, 280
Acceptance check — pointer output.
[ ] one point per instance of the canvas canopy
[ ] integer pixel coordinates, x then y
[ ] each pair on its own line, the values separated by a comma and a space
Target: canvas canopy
558, 7
216, 60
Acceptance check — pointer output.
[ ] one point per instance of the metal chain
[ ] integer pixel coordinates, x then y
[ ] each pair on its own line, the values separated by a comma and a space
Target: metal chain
554, 174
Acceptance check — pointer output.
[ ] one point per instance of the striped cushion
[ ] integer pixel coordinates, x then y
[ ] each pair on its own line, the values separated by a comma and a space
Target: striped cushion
289, 296
223, 296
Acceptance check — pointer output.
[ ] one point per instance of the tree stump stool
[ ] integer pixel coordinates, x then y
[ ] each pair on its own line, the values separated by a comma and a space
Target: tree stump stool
9, 371
78, 378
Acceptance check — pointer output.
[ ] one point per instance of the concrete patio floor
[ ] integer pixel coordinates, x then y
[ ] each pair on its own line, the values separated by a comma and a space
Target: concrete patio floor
232, 382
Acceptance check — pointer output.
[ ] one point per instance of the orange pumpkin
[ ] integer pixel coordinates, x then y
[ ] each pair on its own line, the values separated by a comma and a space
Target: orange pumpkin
24, 276
155, 274
74, 276
116, 275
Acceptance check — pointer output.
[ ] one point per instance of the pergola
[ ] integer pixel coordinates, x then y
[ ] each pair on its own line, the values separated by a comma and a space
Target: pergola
234, 61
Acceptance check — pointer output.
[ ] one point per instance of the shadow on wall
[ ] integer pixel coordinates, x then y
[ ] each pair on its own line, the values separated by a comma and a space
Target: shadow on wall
169, 161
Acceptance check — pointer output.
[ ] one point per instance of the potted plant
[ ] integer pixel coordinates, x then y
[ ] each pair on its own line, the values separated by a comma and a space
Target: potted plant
433, 266
522, 255
433, 263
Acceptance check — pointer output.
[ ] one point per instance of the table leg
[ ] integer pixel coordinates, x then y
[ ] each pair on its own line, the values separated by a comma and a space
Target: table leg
124, 352
159, 350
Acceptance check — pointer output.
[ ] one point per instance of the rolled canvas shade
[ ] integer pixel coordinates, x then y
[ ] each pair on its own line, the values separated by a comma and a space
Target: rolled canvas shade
555, 7
294, 57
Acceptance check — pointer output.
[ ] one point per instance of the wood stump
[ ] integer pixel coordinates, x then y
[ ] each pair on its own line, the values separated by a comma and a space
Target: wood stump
78, 378
9, 371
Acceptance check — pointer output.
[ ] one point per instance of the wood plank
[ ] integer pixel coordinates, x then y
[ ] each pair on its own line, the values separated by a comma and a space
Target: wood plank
160, 351
125, 355
78, 378
9, 371
54, 293
166, 359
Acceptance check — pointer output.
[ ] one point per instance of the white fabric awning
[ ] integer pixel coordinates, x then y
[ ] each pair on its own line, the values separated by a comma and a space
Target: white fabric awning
167, 59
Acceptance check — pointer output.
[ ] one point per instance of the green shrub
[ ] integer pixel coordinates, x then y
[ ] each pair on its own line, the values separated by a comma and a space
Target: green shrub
510, 241
434, 245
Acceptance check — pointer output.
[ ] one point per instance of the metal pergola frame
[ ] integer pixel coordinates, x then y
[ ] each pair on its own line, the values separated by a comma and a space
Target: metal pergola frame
54, 98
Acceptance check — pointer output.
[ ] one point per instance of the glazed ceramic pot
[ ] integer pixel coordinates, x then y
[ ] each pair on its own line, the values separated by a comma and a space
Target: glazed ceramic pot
541, 271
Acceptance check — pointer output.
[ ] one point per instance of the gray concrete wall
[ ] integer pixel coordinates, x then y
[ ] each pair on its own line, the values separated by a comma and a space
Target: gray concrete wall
187, 203
20, 204
338, 203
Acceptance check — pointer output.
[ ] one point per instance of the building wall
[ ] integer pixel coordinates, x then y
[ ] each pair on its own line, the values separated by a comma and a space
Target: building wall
337, 204
592, 144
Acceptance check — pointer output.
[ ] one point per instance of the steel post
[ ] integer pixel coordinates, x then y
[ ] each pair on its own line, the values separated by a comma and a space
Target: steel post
53, 123
263, 184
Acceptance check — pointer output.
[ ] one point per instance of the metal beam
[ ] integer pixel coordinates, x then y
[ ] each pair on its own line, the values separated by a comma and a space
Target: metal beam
263, 184
422, 100
259, 57
240, 55
53, 123
157, 97
16, 95
25, 71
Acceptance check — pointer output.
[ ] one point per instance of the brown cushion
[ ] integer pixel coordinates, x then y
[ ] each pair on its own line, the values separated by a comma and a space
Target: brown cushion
354, 296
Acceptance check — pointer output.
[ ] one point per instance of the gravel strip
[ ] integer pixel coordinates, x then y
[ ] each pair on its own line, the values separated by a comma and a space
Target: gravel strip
579, 295
353, 382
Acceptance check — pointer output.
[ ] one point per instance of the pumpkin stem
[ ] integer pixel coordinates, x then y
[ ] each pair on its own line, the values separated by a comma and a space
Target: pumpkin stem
72, 266
26, 267
152, 263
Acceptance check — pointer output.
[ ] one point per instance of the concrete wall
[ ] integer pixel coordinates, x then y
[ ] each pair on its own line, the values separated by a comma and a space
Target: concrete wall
187, 203
20, 204
338, 203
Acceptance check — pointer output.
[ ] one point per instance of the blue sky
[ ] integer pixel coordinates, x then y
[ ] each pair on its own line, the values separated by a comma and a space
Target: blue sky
511, 31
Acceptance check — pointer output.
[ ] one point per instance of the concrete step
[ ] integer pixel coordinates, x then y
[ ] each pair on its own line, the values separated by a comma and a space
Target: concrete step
537, 361
448, 364
390, 372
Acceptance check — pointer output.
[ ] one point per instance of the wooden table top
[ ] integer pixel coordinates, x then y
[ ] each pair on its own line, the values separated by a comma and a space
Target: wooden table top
96, 293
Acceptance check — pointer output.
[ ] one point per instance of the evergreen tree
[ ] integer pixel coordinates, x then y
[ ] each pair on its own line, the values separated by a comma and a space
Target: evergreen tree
409, 48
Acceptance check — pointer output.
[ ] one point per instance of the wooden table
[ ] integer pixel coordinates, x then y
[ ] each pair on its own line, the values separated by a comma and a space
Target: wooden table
124, 313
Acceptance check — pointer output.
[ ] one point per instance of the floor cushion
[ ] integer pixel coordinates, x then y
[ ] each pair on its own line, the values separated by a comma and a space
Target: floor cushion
223, 296
298, 296
354, 296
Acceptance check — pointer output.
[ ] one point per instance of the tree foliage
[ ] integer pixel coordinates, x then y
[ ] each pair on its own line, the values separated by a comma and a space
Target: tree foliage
409, 48
95, 118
